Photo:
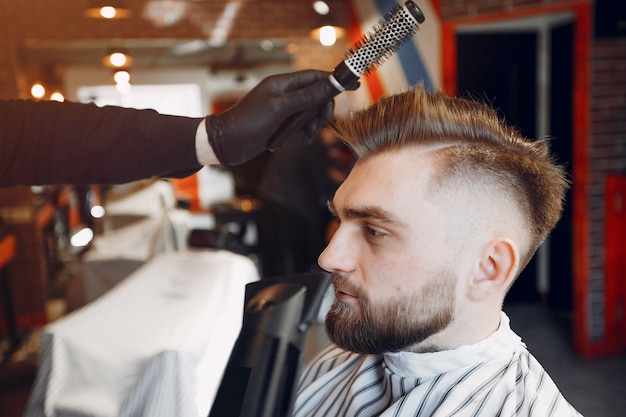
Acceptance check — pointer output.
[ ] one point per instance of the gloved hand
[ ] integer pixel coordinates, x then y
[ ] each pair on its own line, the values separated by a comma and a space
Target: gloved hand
243, 131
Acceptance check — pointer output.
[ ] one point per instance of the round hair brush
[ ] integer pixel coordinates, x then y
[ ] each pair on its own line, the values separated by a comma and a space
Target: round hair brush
394, 29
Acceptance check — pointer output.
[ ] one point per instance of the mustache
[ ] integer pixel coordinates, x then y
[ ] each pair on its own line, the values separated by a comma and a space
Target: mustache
342, 283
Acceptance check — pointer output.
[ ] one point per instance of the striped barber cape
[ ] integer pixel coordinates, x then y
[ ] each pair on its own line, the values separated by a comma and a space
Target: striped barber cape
496, 377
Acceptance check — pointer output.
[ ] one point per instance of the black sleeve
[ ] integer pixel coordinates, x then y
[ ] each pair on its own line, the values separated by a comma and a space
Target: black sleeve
48, 142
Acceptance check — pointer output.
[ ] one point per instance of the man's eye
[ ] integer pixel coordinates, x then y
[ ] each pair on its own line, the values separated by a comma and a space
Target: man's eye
373, 233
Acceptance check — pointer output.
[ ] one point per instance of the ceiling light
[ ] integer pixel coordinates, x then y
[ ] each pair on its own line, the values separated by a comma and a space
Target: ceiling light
108, 12
57, 96
328, 35
107, 9
327, 32
117, 59
321, 7
38, 90
121, 77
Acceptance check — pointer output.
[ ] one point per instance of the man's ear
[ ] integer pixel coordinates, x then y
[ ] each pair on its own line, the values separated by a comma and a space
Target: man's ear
497, 269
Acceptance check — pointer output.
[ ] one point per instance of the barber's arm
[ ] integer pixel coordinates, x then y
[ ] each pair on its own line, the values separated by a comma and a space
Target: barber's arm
48, 142
72, 143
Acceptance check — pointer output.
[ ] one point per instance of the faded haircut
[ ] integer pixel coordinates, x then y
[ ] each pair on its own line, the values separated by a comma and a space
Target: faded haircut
470, 142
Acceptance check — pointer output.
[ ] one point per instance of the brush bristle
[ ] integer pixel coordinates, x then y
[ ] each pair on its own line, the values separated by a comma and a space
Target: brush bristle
382, 41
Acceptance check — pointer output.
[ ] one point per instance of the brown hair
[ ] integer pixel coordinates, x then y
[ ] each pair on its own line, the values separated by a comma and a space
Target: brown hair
470, 142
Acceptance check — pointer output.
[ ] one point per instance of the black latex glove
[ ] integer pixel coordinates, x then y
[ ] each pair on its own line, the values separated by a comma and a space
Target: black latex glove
243, 131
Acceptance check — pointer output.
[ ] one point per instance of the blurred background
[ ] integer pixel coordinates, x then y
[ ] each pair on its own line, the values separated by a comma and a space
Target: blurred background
554, 69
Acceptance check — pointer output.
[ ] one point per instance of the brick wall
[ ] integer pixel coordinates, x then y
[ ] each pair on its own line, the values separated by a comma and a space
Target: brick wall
607, 155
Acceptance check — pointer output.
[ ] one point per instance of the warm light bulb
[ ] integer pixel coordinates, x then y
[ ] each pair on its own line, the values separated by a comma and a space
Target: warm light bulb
117, 59
328, 35
37, 90
121, 77
108, 12
56, 96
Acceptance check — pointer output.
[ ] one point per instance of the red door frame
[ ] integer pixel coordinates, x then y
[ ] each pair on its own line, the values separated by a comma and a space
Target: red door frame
615, 267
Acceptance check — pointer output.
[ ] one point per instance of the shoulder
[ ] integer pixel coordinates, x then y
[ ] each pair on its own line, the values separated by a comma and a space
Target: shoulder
536, 392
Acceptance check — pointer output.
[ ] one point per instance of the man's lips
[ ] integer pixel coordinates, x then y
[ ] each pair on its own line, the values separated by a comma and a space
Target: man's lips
345, 290
343, 296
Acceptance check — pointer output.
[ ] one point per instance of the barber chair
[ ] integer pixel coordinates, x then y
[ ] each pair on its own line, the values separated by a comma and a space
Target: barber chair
261, 373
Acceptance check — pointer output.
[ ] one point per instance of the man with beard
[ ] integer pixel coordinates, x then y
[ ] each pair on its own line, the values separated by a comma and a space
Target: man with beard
443, 209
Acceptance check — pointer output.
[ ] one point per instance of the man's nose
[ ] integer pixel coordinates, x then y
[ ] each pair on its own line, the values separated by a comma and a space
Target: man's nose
337, 257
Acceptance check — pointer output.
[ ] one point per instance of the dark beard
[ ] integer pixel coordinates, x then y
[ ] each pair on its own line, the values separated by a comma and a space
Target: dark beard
397, 324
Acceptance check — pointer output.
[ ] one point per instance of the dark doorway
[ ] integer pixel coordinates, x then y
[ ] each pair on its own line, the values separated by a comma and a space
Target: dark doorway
561, 294
501, 69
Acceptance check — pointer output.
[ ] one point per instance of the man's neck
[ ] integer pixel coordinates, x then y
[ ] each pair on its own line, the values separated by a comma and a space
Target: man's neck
466, 329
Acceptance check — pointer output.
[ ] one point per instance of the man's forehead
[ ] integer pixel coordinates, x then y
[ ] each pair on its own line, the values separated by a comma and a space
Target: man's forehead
384, 185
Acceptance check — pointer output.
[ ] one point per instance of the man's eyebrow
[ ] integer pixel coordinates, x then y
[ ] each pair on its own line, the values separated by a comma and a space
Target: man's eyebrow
368, 212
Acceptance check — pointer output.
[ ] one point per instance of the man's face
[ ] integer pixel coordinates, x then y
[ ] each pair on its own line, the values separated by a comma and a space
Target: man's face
391, 258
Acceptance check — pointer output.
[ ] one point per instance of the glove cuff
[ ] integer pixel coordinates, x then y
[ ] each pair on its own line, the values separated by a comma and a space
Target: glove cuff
214, 130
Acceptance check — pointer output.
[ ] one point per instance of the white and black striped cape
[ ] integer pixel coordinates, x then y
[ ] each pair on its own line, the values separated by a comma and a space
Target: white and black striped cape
496, 377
